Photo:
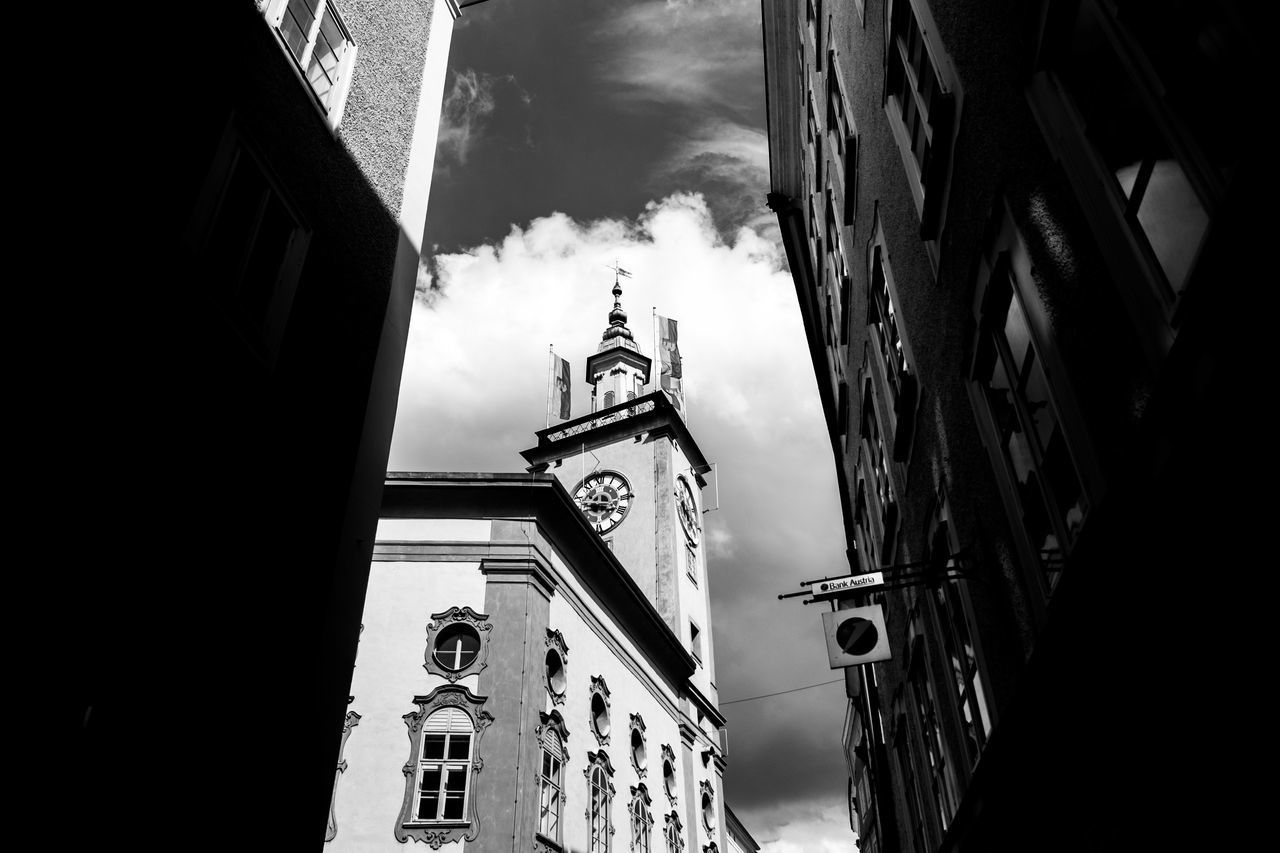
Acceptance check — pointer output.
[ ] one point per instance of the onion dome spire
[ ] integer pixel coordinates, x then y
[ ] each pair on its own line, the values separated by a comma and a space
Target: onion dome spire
617, 334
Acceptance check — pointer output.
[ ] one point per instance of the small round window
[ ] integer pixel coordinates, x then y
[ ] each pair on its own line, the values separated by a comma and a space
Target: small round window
669, 778
456, 647
708, 812
600, 715
639, 756
555, 672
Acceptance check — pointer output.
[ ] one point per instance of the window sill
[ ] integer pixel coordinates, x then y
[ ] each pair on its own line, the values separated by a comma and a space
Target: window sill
542, 844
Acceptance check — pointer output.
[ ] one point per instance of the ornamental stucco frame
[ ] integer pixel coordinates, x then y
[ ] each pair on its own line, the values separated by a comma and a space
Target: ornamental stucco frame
705, 790
600, 759
640, 793
637, 725
478, 622
436, 833
598, 687
668, 756
555, 642
350, 722
671, 827
553, 722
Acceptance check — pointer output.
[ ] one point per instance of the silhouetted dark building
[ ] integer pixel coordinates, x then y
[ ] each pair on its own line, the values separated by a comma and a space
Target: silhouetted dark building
1015, 231
257, 178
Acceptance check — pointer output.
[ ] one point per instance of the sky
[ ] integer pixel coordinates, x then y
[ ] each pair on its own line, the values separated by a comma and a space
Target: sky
580, 133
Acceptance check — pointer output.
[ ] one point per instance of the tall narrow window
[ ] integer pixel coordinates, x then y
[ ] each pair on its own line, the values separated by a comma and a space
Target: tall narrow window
641, 819
599, 802
695, 642
920, 107
444, 732
951, 606
941, 775
894, 359
444, 766
910, 790
1025, 407
1047, 489
551, 786
671, 833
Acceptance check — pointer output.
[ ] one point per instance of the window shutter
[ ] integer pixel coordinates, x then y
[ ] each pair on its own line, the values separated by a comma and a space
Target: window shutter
941, 112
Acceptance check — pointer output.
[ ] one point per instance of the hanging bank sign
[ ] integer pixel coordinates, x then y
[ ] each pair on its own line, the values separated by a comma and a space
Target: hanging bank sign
837, 587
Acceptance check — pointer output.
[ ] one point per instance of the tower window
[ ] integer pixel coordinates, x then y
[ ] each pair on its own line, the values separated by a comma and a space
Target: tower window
695, 642
608, 399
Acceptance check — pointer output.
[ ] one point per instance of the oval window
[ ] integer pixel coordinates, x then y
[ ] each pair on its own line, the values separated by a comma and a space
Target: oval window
555, 672
638, 753
456, 647
708, 813
600, 715
669, 778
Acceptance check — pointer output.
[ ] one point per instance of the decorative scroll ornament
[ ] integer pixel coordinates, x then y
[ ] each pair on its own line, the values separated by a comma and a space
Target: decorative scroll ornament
598, 710
477, 623
639, 746
436, 833
557, 664
669, 783
350, 722
554, 722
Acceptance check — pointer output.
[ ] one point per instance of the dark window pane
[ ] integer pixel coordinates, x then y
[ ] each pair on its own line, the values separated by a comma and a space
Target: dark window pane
433, 747
459, 746
455, 780
453, 807
262, 272
428, 805
1173, 219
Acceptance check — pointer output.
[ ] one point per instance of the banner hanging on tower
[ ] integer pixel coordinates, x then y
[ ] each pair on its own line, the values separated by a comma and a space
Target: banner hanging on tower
559, 390
672, 373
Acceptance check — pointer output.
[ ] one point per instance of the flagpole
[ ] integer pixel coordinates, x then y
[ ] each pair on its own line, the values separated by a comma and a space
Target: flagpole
653, 324
551, 360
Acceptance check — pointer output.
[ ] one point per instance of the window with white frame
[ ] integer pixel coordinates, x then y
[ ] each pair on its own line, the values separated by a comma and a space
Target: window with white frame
1037, 443
641, 819
671, 833
953, 611
599, 802
920, 105
1143, 104
844, 143
444, 766
551, 785
444, 732
933, 747
889, 338
875, 461
316, 37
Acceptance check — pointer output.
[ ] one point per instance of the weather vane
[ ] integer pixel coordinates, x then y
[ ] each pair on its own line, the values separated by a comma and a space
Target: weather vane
618, 271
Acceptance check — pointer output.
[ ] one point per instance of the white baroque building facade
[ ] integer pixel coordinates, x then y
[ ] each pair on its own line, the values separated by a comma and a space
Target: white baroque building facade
535, 670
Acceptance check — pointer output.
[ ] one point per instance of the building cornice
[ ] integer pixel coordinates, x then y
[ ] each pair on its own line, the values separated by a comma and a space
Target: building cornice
543, 498
652, 413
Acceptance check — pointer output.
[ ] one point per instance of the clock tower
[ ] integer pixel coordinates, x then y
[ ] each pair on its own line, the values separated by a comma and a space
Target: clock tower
635, 471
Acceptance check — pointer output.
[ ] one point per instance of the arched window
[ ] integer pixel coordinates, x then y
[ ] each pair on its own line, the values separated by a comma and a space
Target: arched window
641, 819
444, 766
600, 792
608, 399
671, 833
551, 785
444, 732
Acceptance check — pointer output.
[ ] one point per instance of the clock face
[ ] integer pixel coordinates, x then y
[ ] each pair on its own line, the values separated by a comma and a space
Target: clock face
604, 498
688, 510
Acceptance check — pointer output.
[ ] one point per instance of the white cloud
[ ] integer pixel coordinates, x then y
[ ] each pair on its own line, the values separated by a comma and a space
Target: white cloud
692, 53
466, 110
818, 830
